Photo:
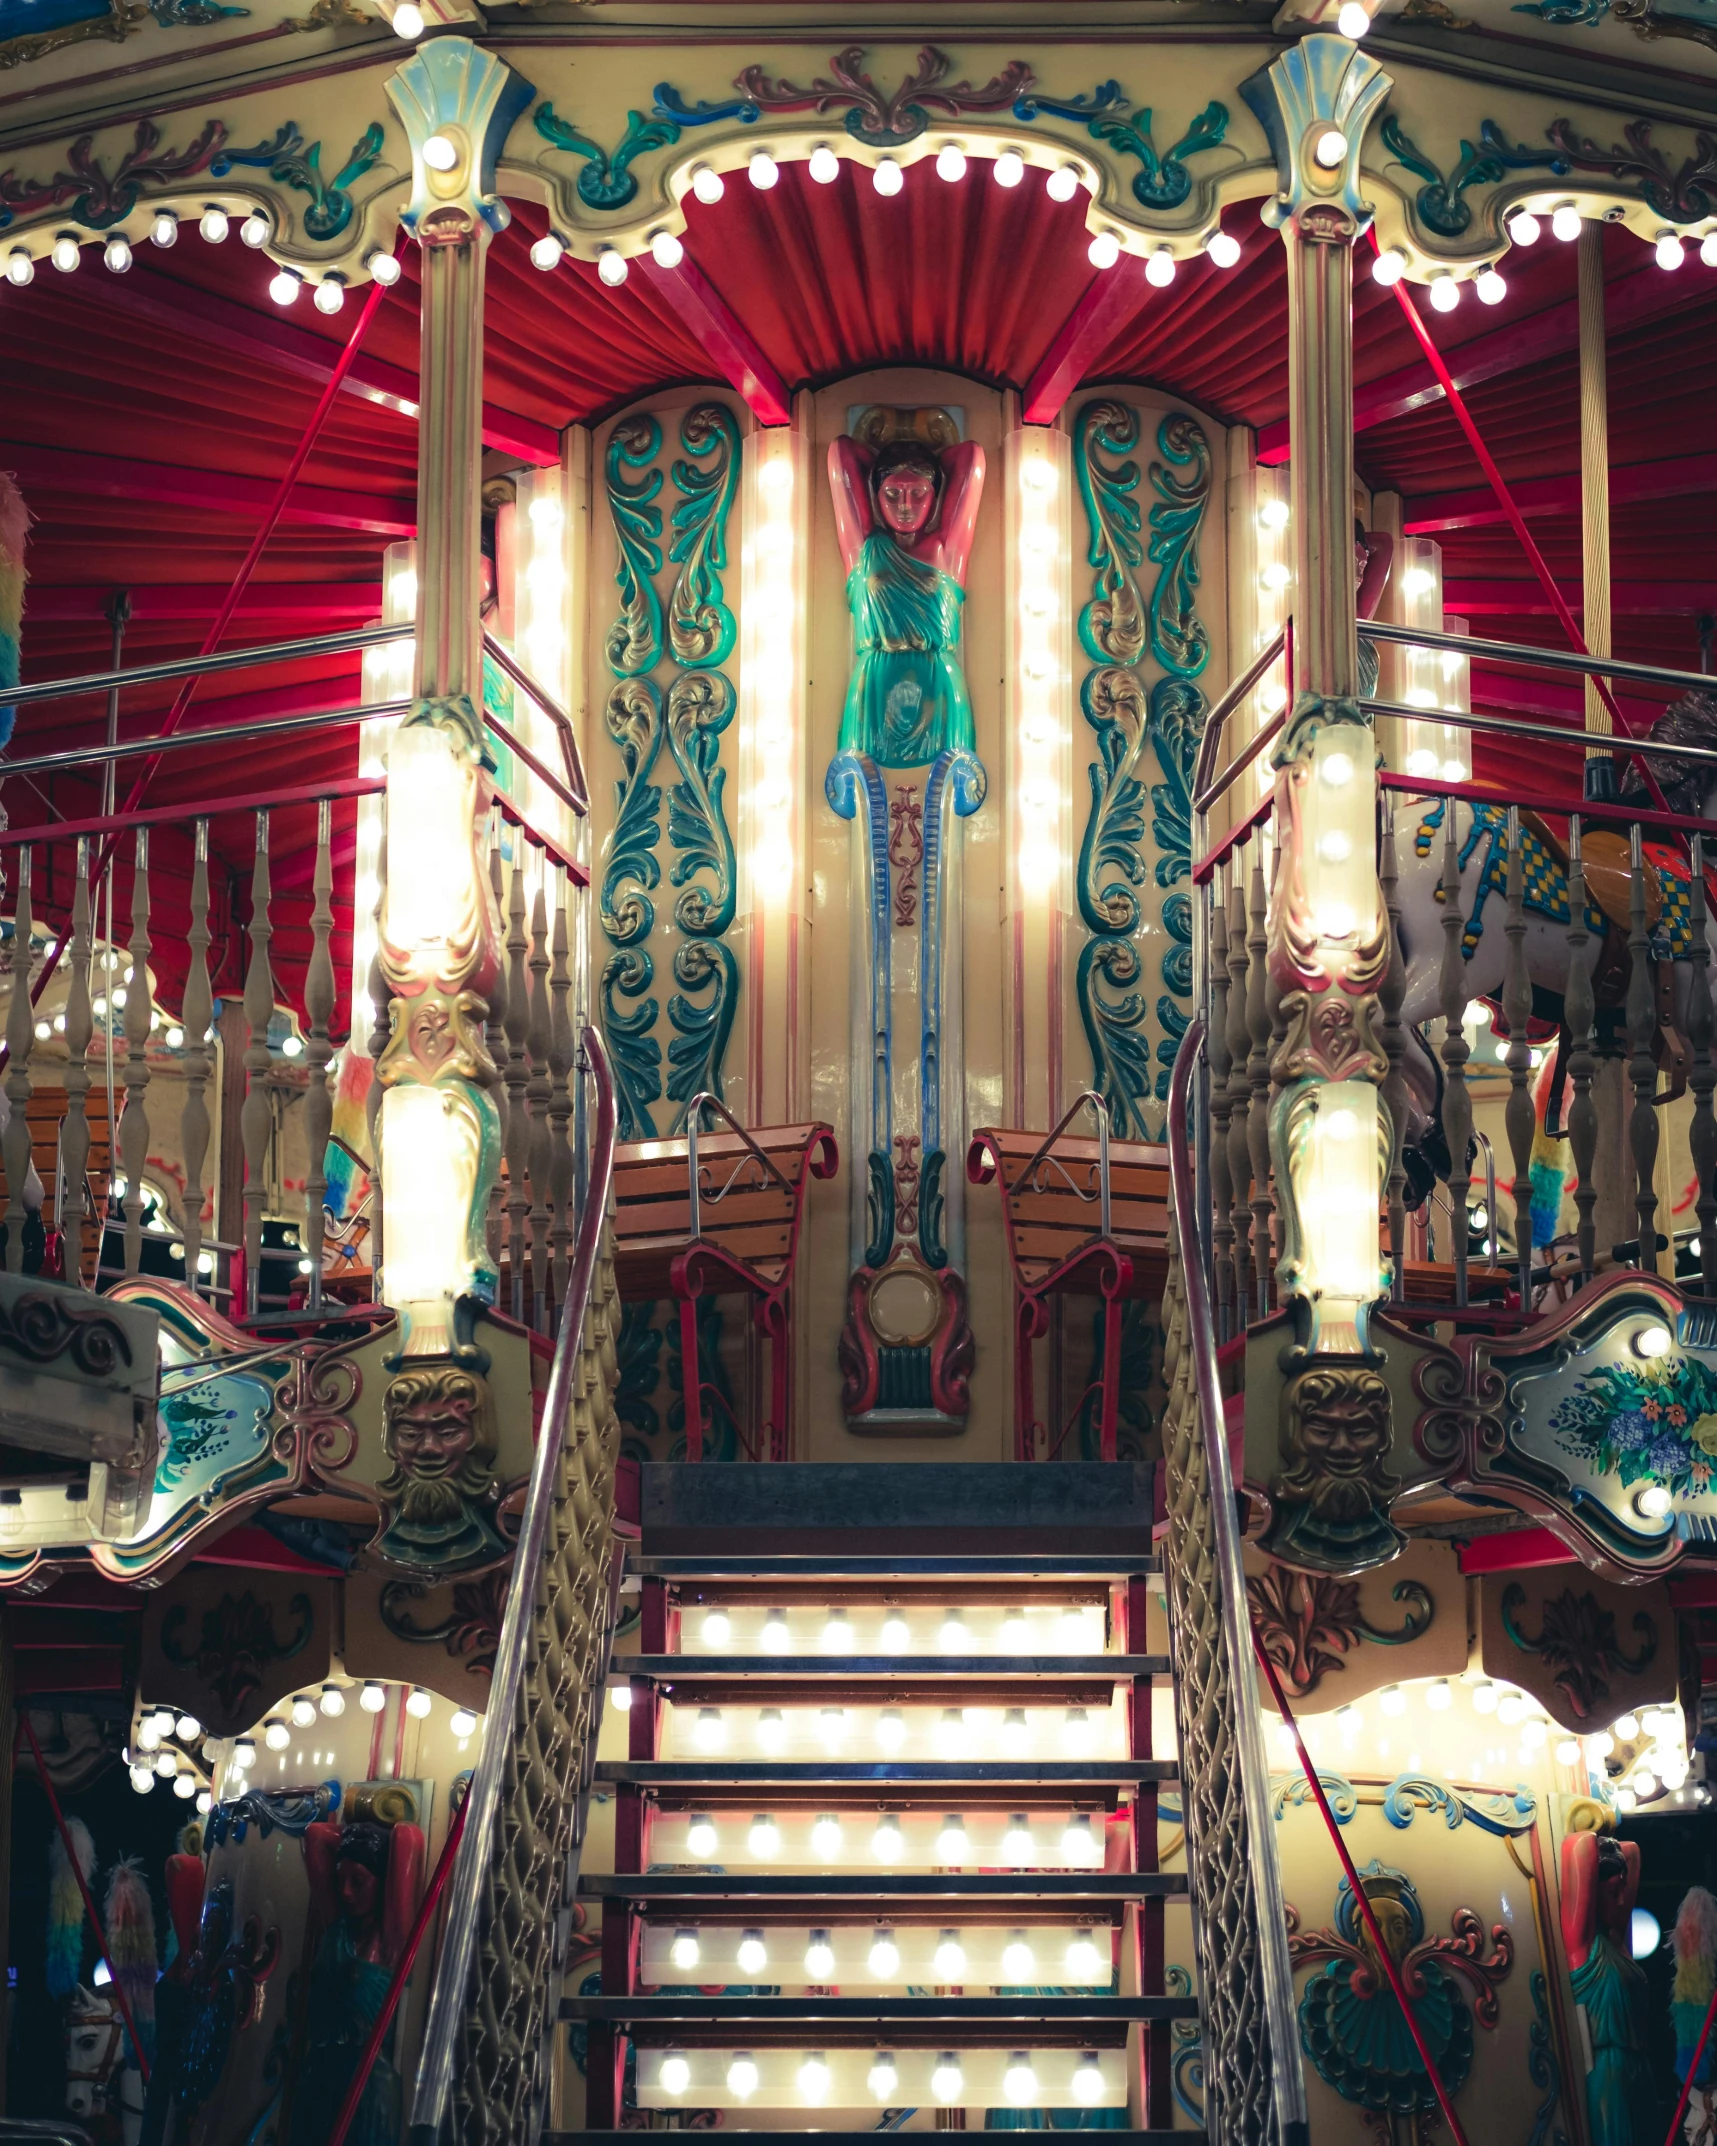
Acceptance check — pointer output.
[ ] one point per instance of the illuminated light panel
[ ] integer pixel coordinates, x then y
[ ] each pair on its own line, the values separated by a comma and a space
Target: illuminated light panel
1037, 509
387, 675
772, 662
856, 2078
1429, 677
924, 1731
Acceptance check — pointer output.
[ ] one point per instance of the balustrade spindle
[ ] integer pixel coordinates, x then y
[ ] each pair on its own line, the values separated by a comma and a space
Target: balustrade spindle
1642, 1066
518, 1136
1221, 1065
1240, 1097
494, 1226
319, 1010
1517, 1010
560, 1050
1391, 994
197, 1014
1702, 1078
20, 1037
1457, 1103
80, 1026
538, 1093
139, 1008
1578, 1011
256, 1119
1259, 1026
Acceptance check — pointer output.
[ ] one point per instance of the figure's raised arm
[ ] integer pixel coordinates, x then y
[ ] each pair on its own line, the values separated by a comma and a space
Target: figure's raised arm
321, 1845
405, 1888
1579, 1895
849, 486
961, 495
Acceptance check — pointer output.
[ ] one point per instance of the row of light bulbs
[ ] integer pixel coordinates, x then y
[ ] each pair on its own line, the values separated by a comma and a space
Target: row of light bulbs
1076, 1625
1080, 1844
1021, 2082
1084, 1962
1525, 229
954, 1733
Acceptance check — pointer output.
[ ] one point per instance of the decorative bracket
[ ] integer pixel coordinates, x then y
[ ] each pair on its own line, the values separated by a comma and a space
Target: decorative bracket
1321, 87
451, 93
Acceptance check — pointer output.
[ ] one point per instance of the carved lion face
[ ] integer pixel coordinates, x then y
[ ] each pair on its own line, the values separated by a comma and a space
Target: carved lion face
1338, 1441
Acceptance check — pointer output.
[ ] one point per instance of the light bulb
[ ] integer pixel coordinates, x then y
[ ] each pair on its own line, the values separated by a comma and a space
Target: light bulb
1600, 1746
676, 2073
1439, 1696
707, 185
1077, 1843
772, 1731
408, 20
947, 2081
373, 1697
1077, 1731
887, 1842
742, 2074
1491, 287
384, 268
1017, 1845
1276, 575
547, 253
887, 176
1524, 228
1336, 770
701, 1836
187, 1728
1063, 182
753, 1953
1329, 148
825, 166
1159, 268
1627, 1727
214, 224
666, 250
333, 1701
254, 230
66, 253
814, 2077
1335, 846
1645, 1782
418, 1702
1352, 20
163, 228
1708, 254
1009, 168
1222, 249
717, 1629
1019, 1962
283, 288
1654, 1501
883, 2078
764, 1839
832, 1721
612, 267
1484, 1696
838, 1633
1016, 1631
950, 1956
763, 171
275, 1734
950, 162
244, 1754
1019, 2081
1088, 2080
1392, 1699
205, 1803
951, 1731
819, 1957
1565, 223
462, 1722
1016, 1733
441, 153
826, 1836
117, 253
884, 1956
684, 1952
896, 1633
20, 269
1445, 293
1653, 1341
1084, 1962
891, 1729
1104, 250
1533, 1732
143, 1779
1625, 1799
1568, 1752
777, 1639
710, 1731
952, 1843
954, 1638
1389, 267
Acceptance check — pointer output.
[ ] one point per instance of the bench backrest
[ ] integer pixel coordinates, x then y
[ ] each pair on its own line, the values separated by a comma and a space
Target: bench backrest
1053, 1210
751, 1211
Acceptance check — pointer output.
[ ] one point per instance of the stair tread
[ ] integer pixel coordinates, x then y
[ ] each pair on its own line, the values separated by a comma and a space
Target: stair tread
689, 2005
1064, 1886
904, 1566
921, 1668
928, 1773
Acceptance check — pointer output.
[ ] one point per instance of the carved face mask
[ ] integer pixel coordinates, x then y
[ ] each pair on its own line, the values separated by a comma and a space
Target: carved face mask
906, 499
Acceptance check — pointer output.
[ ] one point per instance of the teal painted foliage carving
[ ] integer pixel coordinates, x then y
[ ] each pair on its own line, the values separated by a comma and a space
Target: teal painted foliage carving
289, 163
1441, 202
701, 626
605, 179
631, 871
700, 709
634, 643
1162, 182
1125, 802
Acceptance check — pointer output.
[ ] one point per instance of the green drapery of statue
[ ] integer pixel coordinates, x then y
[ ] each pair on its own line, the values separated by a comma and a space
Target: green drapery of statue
907, 699
1600, 1882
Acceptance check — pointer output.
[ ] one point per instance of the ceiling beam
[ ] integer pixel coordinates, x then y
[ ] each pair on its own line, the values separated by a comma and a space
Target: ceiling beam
279, 343
721, 335
1533, 340
207, 491
1109, 300
275, 602
1630, 485
1526, 599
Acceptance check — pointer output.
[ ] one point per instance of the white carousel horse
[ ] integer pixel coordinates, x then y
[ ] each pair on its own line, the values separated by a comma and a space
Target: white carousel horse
98, 2082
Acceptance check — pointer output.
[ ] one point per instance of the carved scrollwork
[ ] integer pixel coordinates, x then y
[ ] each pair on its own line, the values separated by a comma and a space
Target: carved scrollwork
44, 1325
1577, 1638
1306, 1622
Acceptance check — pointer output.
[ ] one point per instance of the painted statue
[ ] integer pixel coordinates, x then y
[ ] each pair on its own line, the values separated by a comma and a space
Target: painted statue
439, 1432
1600, 1878
1690, 2007
365, 1880
906, 492
214, 1989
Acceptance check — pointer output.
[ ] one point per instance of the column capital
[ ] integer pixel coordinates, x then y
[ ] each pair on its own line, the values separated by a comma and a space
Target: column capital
1323, 91
465, 101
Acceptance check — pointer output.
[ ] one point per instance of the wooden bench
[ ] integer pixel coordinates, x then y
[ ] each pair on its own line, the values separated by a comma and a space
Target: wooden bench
1084, 1218
717, 1211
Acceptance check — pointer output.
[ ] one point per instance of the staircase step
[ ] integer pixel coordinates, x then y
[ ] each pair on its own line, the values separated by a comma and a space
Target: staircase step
690, 2007
890, 1668
700, 1774
1017, 1566
1068, 1889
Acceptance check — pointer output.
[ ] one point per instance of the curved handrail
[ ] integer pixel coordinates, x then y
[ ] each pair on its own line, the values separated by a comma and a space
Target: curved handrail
477, 1848
1286, 2078
1099, 1105
1211, 736
695, 1109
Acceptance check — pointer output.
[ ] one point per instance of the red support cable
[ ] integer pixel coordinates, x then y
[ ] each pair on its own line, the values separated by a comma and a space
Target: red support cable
1360, 1900
83, 1887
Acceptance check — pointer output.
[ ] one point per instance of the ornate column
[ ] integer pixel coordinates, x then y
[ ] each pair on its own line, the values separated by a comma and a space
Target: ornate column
440, 932
1330, 1138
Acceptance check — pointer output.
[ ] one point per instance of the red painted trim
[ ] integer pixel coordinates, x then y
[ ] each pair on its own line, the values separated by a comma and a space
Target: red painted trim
722, 335
340, 603
1694, 1590
1109, 301
1519, 1550
206, 491
258, 1550
1630, 485
1525, 599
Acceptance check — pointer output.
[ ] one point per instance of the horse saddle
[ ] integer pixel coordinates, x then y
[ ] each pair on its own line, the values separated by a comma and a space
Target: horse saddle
1607, 859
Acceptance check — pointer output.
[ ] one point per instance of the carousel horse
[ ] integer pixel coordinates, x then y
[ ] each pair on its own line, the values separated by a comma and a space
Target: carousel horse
101, 2089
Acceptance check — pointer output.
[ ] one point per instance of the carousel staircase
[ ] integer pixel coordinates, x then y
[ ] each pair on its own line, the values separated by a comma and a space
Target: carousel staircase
886, 1828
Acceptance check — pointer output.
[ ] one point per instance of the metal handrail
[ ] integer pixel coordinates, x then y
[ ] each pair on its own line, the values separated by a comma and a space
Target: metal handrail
510, 666
174, 741
1100, 1106
1552, 733
695, 1109
1269, 1909
1534, 658
1225, 707
234, 659
500, 1721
